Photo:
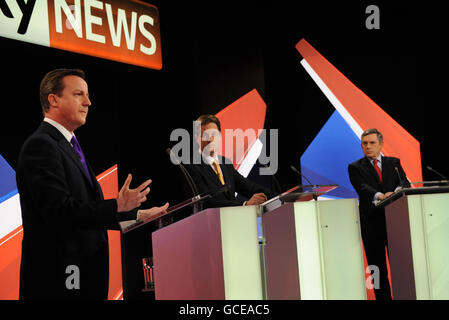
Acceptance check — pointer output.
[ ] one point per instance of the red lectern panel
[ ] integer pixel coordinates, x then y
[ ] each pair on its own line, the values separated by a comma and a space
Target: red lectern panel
188, 258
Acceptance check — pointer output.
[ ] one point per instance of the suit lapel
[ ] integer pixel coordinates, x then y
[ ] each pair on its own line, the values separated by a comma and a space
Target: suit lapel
66, 147
387, 169
369, 168
214, 177
96, 184
211, 174
227, 176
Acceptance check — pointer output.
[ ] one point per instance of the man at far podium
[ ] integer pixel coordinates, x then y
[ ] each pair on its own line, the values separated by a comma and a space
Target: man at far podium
375, 177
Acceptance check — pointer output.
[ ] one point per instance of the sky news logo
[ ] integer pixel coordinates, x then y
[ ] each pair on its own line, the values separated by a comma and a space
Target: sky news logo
124, 31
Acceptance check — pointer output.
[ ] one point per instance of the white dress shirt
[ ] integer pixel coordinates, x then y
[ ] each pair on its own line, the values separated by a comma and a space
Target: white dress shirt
66, 133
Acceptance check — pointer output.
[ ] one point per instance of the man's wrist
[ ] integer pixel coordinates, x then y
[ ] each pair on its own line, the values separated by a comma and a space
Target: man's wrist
119, 208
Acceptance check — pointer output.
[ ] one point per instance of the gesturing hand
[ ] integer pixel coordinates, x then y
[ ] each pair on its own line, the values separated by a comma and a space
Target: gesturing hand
145, 214
129, 199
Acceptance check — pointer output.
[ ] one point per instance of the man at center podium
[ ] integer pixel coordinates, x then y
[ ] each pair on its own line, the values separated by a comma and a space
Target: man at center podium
215, 171
375, 177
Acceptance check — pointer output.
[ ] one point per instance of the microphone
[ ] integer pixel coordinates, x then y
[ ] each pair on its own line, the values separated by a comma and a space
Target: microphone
399, 176
433, 170
300, 174
186, 174
439, 174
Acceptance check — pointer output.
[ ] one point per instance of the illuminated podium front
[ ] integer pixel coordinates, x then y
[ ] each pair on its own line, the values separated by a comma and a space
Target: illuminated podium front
314, 249
417, 222
305, 250
210, 255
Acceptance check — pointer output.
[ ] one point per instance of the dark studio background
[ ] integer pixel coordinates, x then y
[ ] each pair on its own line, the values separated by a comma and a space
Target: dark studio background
215, 52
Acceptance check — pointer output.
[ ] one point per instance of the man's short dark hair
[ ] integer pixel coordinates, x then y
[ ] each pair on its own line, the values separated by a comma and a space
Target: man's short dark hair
53, 83
205, 119
373, 131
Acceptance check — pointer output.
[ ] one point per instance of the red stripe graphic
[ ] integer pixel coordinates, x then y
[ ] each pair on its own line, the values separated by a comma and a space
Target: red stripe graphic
248, 112
10, 253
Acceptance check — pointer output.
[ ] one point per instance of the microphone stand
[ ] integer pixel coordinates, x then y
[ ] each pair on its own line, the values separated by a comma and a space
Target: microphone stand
275, 180
301, 175
436, 172
197, 206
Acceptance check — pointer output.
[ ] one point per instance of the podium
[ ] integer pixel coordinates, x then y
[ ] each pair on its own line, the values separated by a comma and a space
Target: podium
311, 250
417, 222
137, 253
314, 251
213, 254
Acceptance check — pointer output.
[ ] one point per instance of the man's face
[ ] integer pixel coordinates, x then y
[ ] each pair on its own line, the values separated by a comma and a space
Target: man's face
371, 146
73, 104
210, 139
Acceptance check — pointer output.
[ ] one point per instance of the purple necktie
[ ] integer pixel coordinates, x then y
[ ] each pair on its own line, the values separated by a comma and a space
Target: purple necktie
79, 152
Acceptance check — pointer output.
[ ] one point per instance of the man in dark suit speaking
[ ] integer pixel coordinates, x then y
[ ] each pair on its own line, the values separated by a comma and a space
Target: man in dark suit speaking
64, 215
374, 178
215, 171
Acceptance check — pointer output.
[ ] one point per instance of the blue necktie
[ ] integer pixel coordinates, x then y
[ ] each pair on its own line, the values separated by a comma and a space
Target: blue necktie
79, 152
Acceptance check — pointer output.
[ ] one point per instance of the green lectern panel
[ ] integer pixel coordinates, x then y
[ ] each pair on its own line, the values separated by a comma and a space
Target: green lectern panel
436, 215
330, 254
420, 257
342, 249
309, 251
241, 260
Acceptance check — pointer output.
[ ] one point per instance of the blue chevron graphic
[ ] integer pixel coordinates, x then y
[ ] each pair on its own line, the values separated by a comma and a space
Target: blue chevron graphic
8, 187
326, 159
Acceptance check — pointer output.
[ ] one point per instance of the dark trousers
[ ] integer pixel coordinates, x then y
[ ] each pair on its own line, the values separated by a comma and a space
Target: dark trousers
93, 278
94, 274
375, 255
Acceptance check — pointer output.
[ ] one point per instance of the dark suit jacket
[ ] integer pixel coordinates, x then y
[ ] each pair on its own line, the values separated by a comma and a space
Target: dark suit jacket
64, 218
207, 180
366, 182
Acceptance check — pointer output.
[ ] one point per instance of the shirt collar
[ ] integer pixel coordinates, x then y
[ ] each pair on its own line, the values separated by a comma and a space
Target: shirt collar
66, 133
208, 159
379, 159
